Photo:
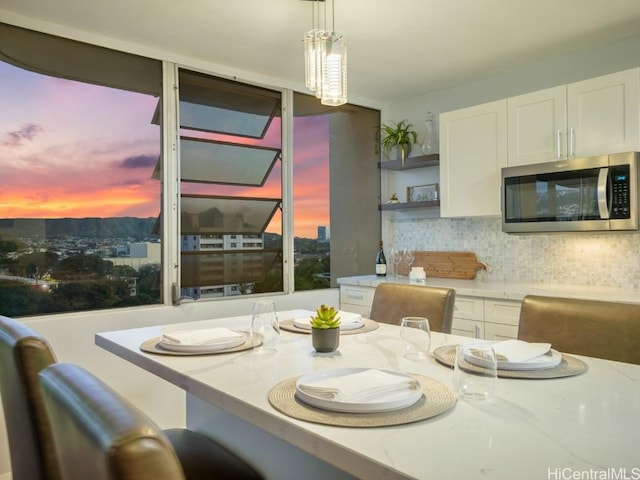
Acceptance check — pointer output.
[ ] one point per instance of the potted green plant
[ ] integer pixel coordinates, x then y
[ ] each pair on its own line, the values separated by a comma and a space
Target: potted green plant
400, 137
325, 329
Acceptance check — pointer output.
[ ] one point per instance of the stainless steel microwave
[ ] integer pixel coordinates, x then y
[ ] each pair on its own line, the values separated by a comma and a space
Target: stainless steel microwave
582, 194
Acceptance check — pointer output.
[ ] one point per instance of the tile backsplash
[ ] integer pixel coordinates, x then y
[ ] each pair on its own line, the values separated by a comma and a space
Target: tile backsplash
593, 259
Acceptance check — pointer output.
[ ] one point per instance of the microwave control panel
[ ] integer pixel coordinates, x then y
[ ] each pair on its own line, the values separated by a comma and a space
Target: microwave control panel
620, 201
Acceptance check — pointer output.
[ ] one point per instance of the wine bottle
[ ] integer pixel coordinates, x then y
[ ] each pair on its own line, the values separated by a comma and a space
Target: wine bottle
381, 263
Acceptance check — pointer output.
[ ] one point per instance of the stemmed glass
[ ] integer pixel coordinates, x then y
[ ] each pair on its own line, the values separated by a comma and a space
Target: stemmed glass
265, 329
409, 257
396, 259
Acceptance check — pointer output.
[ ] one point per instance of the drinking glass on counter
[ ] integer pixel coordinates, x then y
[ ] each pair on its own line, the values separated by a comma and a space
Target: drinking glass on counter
415, 337
475, 372
409, 257
265, 329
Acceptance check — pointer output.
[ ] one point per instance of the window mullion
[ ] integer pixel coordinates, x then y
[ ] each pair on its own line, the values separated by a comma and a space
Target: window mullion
170, 188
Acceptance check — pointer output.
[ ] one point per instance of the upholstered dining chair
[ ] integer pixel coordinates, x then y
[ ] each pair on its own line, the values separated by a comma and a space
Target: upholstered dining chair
600, 329
23, 354
100, 436
392, 301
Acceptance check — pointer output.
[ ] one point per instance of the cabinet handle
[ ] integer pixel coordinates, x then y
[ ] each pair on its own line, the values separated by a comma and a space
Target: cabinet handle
558, 144
355, 295
477, 332
572, 142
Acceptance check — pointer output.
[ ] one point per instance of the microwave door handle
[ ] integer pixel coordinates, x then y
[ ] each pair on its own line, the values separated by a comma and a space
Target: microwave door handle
603, 204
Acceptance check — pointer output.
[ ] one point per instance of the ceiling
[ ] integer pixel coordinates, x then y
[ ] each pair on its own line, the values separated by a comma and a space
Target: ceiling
397, 48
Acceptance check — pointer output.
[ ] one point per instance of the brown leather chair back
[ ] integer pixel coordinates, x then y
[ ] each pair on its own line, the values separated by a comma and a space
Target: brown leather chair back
584, 327
98, 434
24, 353
392, 301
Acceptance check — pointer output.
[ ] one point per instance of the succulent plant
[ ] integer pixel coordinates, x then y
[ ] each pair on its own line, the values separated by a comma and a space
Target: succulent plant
325, 318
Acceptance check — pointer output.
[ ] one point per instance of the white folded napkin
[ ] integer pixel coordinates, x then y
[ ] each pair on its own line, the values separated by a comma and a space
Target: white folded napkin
203, 336
348, 321
519, 351
358, 387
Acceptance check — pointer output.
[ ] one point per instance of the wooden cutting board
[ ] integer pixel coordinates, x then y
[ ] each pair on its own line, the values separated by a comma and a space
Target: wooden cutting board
460, 265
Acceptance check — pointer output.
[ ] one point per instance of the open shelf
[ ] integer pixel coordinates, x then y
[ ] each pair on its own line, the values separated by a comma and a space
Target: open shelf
432, 160
409, 205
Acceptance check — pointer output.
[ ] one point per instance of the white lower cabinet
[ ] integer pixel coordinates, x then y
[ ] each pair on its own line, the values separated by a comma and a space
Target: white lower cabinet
356, 299
486, 318
477, 317
468, 317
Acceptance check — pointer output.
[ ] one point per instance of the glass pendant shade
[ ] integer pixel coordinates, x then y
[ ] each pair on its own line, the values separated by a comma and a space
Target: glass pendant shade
333, 91
320, 40
325, 63
310, 60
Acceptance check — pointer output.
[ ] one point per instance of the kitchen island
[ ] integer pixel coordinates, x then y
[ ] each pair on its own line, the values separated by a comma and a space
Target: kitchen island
589, 422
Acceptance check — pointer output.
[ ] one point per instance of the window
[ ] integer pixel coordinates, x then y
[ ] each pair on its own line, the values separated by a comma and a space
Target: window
336, 191
78, 205
231, 186
81, 164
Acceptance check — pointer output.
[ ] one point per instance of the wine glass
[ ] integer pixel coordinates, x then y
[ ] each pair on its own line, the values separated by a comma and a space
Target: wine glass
409, 257
265, 329
396, 258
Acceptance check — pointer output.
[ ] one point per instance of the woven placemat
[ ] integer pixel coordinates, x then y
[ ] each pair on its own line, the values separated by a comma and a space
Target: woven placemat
153, 346
369, 326
568, 366
437, 399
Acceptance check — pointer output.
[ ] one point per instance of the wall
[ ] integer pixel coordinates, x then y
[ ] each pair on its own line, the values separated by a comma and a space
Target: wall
594, 259
611, 259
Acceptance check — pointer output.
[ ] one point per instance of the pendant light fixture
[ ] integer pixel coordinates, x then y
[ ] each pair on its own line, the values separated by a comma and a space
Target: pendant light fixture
325, 59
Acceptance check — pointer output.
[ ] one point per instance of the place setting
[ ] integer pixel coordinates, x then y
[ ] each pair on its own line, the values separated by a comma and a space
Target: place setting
367, 397
260, 338
361, 397
202, 341
513, 359
350, 323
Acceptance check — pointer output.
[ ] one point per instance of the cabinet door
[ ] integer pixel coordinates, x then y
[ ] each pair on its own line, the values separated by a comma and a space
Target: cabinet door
468, 328
473, 149
356, 299
497, 331
604, 114
506, 312
536, 125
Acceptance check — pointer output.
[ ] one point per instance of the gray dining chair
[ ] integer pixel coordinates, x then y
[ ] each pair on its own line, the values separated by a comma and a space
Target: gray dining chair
98, 435
23, 354
393, 301
608, 330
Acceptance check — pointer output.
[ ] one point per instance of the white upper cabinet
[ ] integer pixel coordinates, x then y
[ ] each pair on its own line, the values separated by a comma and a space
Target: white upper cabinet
473, 149
537, 122
603, 114
592, 117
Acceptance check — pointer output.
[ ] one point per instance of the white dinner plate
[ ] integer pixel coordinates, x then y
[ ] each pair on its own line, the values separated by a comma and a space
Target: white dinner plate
205, 348
382, 403
551, 359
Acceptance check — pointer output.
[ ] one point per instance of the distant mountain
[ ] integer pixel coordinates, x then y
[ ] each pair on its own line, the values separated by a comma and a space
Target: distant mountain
114, 227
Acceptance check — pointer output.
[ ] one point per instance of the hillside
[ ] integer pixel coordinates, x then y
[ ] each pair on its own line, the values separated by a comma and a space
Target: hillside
115, 227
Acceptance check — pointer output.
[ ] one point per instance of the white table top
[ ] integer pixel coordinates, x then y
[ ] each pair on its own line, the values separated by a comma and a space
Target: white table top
532, 429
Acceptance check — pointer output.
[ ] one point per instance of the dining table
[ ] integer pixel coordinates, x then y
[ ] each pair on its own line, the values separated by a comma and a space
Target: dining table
585, 425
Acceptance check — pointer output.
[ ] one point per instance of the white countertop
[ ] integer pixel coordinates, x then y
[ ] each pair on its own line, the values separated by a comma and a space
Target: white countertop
589, 422
506, 290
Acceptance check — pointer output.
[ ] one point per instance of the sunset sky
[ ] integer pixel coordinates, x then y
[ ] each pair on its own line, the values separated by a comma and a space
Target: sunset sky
69, 149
